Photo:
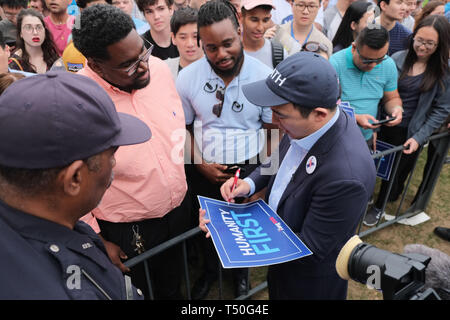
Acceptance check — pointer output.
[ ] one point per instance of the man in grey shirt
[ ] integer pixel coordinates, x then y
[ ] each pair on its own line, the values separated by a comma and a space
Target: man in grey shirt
255, 19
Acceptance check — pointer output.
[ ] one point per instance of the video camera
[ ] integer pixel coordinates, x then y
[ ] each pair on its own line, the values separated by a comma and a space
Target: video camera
398, 276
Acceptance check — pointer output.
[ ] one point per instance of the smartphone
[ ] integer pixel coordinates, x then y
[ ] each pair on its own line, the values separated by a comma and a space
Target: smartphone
233, 169
384, 121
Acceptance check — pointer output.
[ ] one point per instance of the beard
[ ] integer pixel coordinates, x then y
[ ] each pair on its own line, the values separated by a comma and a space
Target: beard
228, 72
140, 84
135, 85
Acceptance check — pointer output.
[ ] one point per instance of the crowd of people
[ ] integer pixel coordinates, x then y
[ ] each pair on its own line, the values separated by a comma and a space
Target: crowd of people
214, 81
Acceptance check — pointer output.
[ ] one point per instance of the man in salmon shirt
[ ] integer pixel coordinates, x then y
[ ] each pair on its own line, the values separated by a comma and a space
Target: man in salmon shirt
147, 199
59, 22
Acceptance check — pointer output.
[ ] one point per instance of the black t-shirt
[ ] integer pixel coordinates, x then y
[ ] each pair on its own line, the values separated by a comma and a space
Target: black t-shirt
409, 90
160, 52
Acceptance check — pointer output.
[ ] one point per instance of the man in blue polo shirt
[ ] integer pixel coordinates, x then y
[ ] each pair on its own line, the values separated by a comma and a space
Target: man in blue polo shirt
225, 125
367, 76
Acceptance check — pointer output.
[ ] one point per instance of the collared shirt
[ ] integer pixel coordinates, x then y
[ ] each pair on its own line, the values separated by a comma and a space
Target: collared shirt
41, 260
297, 151
26, 74
364, 90
236, 135
149, 179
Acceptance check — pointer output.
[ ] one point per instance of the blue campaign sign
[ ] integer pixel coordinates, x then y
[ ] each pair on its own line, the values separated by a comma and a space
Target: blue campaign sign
348, 109
250, 234
386, 162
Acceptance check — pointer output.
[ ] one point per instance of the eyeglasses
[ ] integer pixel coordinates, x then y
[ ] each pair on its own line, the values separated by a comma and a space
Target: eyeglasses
369, 61
428, 44
28, 28
220, 95
131, 70
11, 15
314, 47
301, 6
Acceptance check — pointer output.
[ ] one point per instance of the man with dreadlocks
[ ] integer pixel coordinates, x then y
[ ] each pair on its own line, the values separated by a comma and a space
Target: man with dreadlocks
226, 134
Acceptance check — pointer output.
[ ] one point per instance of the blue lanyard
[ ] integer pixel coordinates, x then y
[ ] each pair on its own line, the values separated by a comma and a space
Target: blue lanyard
307, 37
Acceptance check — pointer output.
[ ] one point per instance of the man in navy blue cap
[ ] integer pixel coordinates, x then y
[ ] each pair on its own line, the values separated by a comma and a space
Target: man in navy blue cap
59, 133
325, 179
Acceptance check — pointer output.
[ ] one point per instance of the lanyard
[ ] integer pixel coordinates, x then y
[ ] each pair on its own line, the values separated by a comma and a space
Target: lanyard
307, 37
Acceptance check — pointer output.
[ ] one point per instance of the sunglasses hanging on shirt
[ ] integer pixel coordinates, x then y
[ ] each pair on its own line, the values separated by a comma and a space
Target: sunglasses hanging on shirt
220, 95
209, 87
237, 107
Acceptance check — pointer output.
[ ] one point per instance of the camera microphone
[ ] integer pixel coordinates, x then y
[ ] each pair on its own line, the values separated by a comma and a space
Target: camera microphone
437, 275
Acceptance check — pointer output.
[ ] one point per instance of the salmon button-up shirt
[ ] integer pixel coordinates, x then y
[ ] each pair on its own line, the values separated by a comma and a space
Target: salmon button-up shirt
149, 178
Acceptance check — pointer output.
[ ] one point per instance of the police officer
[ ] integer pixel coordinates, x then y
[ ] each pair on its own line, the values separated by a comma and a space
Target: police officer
59, 132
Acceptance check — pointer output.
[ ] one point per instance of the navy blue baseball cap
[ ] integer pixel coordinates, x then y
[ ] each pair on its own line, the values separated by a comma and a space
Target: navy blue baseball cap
304, 78
50, 120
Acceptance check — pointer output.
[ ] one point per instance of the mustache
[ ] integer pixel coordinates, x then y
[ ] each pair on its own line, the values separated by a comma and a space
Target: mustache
229, 72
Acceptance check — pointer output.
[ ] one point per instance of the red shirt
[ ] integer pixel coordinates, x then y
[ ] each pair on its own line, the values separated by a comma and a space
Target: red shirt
60, 32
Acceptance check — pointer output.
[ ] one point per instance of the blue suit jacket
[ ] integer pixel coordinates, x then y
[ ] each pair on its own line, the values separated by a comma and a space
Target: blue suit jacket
323, 208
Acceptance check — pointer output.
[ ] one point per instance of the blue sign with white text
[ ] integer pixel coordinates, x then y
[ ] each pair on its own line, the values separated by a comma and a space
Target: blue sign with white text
348, 109
250, 234
384, 165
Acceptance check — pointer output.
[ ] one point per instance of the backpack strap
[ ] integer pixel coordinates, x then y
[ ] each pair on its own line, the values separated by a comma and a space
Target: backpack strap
277, 52
16, 62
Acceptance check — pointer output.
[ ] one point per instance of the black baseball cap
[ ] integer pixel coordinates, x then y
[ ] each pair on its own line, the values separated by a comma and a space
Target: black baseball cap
305, 78
53, 119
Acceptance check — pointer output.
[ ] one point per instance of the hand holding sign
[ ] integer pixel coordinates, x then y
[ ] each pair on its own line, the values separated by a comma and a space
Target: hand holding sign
249, 235
202, 222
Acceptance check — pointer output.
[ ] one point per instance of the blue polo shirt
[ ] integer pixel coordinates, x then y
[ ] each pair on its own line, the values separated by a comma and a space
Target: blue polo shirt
364, 90
236, 135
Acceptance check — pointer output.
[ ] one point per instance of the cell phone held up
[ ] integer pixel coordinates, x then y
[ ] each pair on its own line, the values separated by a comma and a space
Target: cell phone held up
232, 169
384, 121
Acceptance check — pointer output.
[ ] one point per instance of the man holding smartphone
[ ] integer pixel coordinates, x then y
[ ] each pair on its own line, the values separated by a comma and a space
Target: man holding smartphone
367, 77
225, 127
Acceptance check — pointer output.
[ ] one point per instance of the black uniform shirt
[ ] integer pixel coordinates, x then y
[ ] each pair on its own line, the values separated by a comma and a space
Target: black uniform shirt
40, 259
